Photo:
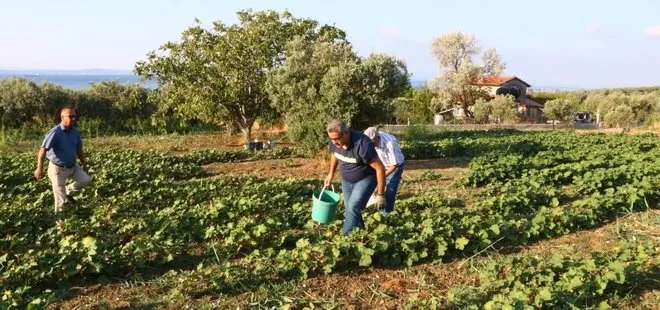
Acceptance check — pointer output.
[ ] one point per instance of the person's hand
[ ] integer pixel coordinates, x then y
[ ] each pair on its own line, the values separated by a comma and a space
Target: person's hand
379, 201
38, 174
328, 180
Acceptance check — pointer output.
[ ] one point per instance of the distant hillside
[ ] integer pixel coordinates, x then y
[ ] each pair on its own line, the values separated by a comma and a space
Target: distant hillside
417, 83
92, 71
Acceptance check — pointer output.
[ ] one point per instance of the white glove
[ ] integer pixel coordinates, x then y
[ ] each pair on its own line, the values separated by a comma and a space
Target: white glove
379, 200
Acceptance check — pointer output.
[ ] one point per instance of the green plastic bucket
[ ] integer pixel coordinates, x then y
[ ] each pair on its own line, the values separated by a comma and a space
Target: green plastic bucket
324, 205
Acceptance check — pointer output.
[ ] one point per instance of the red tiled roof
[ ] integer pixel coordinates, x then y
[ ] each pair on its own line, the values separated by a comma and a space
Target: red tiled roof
529, 103
497, 80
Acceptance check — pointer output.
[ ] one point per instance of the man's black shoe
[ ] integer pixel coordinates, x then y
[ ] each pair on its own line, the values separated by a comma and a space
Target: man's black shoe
70, 199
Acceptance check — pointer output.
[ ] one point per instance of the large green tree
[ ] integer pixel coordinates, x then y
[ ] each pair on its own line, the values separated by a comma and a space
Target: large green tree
622, 116
456, 54
382, 78
323, 79
503, 108
500, 109
482, 110
219, 74
317, 83
596, 103
558, 110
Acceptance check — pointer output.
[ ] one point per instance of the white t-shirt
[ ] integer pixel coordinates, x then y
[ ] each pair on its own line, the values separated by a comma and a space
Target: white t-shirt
389, 151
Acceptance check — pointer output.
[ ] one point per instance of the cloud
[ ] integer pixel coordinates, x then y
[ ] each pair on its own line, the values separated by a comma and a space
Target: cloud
595, 28
653, 31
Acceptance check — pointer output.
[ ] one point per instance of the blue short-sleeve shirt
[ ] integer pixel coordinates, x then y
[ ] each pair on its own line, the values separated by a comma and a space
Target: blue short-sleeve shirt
354, 161
62, 145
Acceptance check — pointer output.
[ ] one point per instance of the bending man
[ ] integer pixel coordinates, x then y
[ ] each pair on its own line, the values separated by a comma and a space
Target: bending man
392, 158
361, 171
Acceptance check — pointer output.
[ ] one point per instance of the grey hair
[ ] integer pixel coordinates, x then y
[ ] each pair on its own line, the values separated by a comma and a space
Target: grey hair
337, 126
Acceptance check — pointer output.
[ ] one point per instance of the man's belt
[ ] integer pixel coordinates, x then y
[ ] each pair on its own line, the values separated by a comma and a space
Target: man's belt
64, 166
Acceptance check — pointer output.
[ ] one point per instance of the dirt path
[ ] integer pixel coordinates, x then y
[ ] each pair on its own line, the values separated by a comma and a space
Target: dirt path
318, 167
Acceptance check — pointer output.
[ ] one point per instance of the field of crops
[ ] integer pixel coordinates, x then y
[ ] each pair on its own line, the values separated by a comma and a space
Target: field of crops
150, 216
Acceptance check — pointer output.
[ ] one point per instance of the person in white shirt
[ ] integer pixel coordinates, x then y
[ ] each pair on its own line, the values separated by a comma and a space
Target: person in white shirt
392, 158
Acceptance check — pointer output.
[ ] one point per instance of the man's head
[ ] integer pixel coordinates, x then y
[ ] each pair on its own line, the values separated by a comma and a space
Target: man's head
372, 133
339, 134
68, 116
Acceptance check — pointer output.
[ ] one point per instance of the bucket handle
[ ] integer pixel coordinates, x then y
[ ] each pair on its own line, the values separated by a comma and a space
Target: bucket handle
323, 190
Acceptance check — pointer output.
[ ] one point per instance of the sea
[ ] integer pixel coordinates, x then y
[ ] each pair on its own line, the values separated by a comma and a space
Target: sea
83, 81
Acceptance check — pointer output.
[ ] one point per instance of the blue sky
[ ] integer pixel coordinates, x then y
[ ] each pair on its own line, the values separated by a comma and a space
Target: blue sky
553, 44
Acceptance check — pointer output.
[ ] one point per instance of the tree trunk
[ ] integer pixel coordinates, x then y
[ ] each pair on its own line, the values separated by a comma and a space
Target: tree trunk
467, 112
245, 124
231, 129
247, 133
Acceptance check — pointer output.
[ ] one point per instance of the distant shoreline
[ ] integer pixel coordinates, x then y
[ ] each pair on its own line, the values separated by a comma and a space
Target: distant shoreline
81, 81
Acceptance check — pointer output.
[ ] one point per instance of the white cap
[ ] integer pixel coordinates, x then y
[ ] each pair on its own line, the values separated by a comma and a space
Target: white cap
371, 132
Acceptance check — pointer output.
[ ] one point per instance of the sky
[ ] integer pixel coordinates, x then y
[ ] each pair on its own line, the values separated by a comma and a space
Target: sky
574, 44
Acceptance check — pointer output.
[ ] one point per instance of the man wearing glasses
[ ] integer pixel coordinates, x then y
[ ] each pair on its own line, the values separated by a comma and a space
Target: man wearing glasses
62, 146
361, 171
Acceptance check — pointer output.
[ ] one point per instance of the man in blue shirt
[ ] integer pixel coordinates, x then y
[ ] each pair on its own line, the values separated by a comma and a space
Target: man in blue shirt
361, 171
62, 146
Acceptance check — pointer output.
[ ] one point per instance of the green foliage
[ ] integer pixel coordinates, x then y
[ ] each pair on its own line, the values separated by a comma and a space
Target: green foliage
417, 132
653, 121
643, 101
249, 230
219, 74
414, 107
558, 110
644, 105
315, 85
324, 79
53, 98
503, 108
621, 116
19, 98
105, 108
482, 110
382, 78
554, 281
127, 101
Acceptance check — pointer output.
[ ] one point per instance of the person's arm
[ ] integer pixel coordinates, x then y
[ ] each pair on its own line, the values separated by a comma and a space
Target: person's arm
391, 148
369, 155
81, 155
333, 168
390, 170
41, 155
48, 143
380, 176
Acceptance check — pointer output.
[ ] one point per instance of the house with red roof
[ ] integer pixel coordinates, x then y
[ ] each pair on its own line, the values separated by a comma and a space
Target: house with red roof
530, 110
